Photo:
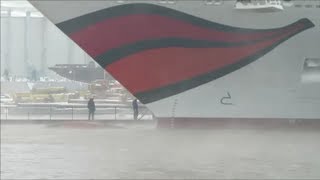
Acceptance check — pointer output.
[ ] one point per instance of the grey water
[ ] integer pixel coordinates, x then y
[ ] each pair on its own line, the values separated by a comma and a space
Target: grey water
40, 151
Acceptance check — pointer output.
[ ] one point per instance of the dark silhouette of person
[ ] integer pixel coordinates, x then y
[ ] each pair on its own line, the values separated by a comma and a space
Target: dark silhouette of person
6, 74
92, 108
135, 109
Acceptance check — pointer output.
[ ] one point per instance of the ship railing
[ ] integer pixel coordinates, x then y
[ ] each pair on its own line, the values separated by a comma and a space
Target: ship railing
259, 5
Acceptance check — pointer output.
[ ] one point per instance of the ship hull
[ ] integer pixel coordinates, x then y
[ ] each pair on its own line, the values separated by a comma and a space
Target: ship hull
212, 123
271, 87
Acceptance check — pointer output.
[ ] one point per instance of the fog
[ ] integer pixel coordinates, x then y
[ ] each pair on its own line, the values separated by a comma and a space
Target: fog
83, 151
34, 43
46, 134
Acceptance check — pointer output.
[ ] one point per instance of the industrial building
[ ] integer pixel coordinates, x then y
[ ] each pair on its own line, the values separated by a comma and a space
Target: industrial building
29, 42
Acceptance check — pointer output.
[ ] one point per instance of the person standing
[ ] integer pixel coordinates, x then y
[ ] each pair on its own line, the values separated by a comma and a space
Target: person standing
135, 109
6, 74
91, 108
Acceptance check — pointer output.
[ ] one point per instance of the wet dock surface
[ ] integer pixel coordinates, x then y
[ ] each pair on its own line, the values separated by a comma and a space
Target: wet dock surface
86, 151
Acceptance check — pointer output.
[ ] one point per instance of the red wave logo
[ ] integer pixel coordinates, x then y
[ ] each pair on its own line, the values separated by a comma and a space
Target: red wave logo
157, 52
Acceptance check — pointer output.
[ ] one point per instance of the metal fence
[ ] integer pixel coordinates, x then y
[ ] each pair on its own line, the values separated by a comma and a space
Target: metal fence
72, 113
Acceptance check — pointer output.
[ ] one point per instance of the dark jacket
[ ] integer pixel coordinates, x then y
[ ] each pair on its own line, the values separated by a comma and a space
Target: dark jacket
135, 105
91, 105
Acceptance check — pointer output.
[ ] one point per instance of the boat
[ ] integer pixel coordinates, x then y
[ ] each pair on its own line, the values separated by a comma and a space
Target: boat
200, 61
86, 73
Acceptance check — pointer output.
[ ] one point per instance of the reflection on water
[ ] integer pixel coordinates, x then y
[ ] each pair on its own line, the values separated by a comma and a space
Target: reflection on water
39, 151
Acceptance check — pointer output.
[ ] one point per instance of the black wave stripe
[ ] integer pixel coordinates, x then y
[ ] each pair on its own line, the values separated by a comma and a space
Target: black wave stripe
78, 23
173, 89
118, 53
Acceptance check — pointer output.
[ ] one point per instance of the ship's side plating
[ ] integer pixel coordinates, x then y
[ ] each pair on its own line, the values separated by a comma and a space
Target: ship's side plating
273, 85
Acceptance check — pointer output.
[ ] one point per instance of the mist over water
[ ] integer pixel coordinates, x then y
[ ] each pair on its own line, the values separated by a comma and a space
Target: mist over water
85, 152
58, 149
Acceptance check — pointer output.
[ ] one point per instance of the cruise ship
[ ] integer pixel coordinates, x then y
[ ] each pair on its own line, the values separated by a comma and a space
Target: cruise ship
204, 60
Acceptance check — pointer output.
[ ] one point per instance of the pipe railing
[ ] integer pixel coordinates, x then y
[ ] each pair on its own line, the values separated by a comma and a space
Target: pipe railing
72, 113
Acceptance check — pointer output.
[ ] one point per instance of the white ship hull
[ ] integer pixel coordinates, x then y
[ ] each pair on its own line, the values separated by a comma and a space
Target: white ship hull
274, 86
